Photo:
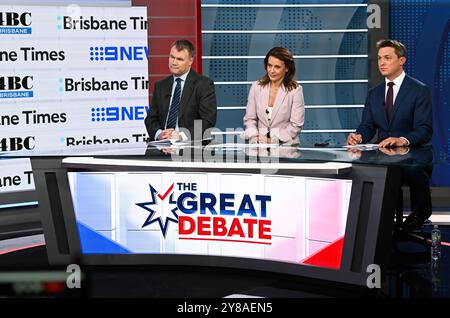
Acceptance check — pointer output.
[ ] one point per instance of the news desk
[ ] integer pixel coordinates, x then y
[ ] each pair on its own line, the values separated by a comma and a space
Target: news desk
313, 212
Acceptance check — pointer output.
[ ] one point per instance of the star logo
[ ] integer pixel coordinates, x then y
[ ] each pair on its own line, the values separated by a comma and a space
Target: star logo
163, 224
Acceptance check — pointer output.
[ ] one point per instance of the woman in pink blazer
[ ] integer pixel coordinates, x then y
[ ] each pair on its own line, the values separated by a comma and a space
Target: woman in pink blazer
275, 108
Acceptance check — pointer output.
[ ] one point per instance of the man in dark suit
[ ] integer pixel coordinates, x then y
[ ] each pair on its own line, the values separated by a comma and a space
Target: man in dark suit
400, 112
181, 98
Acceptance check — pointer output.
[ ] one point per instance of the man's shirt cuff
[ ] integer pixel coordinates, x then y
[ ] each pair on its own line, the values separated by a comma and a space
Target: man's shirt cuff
157, 134
407, 141
183, 136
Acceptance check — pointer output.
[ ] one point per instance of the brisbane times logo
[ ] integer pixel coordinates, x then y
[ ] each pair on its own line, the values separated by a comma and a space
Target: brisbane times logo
209, 216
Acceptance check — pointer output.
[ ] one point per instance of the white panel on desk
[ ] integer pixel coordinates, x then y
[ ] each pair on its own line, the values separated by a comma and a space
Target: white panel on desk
215, 248
94, 206
108, 234
243, 250
315, 246
277, 251
133, 188
231, 183
144, 241
191, 247
323, 208
288, 195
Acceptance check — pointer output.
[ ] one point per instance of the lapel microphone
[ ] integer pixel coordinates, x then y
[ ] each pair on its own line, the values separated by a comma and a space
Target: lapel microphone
268, 113
268, 129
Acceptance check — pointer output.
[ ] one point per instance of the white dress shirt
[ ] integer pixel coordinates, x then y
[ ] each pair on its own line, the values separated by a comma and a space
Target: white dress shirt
174, 85
397, 83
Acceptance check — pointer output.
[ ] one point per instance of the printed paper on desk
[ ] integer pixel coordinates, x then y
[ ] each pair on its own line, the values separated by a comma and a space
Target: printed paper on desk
243, 145
163, 142
362, 146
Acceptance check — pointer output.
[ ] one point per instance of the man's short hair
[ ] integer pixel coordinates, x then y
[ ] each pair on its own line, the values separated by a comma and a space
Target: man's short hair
184, 45
400, 49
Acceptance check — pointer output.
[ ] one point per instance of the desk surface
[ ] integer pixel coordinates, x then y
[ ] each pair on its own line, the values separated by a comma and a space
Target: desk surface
245, 154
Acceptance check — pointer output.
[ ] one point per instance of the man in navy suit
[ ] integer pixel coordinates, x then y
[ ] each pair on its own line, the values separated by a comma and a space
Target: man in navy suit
181, 98
400, 112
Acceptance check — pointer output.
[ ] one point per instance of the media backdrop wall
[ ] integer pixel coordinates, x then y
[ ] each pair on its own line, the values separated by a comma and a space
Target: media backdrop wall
329, 41
424, 27
72, 75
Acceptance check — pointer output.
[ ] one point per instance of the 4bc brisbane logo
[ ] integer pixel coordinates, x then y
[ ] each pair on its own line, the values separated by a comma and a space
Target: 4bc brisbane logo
16, 87
17, 143
15, 23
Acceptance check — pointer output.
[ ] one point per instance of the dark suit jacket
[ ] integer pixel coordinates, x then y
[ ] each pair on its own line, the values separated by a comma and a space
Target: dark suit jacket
198, 101
411, 118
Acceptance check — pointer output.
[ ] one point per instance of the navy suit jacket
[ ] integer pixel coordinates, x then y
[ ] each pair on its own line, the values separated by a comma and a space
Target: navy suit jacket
411, 118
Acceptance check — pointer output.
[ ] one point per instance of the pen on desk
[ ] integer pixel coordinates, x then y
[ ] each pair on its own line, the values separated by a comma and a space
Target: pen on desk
322, 144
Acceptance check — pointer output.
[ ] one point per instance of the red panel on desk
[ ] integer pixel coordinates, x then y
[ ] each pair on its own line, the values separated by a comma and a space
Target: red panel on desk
329, 257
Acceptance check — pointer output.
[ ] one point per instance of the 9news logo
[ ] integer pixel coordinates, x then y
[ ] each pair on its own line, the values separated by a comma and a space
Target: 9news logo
118, 113
118, 53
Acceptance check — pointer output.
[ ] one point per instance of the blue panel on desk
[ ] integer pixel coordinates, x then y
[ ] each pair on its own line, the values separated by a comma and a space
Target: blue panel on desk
94, 243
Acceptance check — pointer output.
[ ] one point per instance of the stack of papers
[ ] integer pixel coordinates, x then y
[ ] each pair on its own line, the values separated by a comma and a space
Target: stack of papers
362, 146
165, 143
242, 145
